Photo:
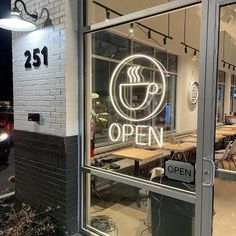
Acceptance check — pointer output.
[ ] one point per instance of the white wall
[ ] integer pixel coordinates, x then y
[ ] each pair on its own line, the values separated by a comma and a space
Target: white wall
49, 90
71, 63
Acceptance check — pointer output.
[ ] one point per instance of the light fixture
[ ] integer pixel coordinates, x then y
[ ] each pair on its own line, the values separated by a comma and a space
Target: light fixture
131, 29
164, 40
107, 15
225, 63
149, 34
15, 22
186, 49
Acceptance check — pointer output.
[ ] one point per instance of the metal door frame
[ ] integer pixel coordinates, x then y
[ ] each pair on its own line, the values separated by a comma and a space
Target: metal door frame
205, 198
206, 108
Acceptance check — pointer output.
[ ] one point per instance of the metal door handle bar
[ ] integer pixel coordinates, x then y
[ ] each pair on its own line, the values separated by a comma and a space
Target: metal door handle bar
212, 172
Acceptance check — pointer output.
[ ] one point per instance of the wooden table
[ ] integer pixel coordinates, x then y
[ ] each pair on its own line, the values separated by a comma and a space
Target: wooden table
230, 126
226, 132
190, 139
137, 154
175, 148
193, 138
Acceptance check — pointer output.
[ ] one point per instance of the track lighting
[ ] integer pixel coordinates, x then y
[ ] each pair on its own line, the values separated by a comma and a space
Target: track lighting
229, 64
131, 30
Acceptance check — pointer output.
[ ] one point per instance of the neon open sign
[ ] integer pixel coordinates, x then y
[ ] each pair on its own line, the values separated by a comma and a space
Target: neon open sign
137, 95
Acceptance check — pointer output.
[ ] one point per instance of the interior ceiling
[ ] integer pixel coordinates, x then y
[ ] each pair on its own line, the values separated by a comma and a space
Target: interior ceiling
228, 13
228, 21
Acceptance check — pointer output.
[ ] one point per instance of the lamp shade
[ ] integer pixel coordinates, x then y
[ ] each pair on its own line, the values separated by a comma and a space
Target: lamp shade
15, 22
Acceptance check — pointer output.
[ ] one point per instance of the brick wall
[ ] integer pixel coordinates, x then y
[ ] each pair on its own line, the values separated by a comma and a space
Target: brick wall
46, 173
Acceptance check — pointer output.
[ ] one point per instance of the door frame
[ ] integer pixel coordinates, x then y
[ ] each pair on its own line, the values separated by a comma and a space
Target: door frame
206, 103
206, 199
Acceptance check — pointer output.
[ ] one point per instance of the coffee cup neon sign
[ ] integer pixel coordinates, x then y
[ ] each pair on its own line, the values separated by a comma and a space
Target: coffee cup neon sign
134, 92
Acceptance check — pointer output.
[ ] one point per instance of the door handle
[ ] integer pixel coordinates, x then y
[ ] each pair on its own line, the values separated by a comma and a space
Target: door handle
207, 172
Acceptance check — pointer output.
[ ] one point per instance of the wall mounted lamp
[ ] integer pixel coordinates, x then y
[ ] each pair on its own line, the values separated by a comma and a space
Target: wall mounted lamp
15, 22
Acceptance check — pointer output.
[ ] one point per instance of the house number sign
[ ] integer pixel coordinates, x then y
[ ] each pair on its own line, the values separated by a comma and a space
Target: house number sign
36, 58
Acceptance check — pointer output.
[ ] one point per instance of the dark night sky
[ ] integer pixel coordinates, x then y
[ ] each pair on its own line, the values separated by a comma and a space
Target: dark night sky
6, 90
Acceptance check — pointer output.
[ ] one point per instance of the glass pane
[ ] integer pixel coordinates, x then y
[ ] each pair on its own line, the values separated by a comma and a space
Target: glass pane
119, 209
143, 101
225, 148
111, 46
102, 10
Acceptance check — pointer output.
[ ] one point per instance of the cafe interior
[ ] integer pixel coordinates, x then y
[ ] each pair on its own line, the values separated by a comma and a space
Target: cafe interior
143, 91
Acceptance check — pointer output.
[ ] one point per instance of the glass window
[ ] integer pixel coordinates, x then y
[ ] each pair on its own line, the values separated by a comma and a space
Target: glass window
141, 101
110, 45
108, 49
114, 210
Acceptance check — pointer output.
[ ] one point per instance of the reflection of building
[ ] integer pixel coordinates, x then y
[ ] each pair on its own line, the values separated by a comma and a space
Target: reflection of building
54, 155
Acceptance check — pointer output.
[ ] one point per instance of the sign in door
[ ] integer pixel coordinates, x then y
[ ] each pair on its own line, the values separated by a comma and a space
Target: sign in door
179, 170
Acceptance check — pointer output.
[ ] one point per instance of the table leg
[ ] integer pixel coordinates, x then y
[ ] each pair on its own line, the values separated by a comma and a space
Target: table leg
137, 194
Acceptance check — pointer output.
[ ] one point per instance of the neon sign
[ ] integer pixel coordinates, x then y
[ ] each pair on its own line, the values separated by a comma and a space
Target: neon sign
137, 95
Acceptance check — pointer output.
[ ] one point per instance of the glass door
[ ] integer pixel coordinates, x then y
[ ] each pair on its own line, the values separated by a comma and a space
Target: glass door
225, 129
145, 165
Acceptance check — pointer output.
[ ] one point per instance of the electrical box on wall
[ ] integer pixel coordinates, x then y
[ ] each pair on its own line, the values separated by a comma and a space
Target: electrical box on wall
33, 117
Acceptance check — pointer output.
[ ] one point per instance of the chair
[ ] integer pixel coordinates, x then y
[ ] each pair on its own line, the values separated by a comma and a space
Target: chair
231, 154
221, 156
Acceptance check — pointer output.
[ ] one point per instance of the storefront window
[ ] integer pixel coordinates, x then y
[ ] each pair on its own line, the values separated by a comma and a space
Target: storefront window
108, 50
142, 104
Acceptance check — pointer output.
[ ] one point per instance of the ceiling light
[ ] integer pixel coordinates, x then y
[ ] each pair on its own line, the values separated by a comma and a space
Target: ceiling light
131, 29
224, 64
186, 49
164, 41
229, 66
107, 15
